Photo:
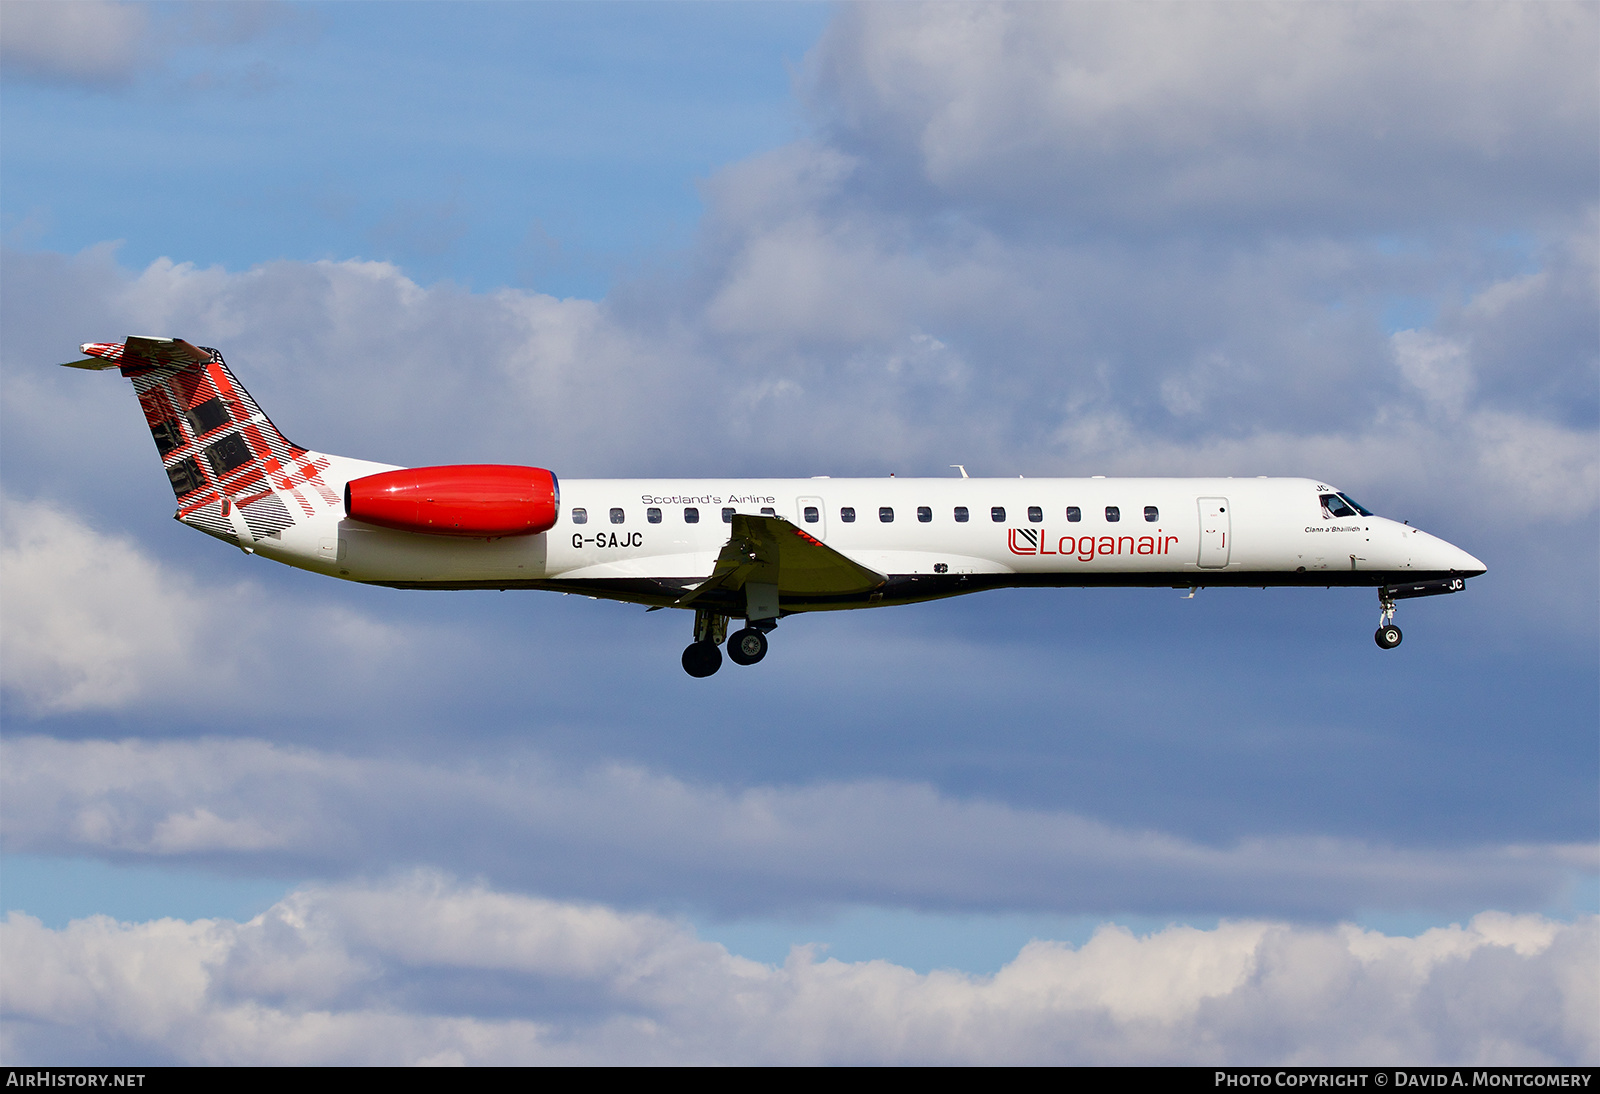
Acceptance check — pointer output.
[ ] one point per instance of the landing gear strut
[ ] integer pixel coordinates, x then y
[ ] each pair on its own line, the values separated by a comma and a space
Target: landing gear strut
746, 646
1388, 635
701, 657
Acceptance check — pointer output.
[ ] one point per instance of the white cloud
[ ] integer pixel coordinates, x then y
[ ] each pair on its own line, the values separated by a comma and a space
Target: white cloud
80, 41
423, 970
91, 622
625, 833
105, 44
1437, 367
1175, 114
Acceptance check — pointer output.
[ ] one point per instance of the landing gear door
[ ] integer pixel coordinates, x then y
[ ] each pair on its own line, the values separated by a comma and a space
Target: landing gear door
812, 515
1215, 533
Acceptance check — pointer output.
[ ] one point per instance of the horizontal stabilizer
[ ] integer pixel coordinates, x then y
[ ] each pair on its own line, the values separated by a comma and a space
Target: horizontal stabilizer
771, 551
140, 351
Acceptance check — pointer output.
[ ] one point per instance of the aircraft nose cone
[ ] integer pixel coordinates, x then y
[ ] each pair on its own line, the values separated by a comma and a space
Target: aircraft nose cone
1429, 552
1442, 555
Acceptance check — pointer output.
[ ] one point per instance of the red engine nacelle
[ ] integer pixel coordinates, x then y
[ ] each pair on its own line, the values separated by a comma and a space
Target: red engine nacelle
471, 499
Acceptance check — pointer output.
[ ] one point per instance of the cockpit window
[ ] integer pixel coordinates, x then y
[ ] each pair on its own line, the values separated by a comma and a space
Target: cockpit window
1335, 506
1356, 505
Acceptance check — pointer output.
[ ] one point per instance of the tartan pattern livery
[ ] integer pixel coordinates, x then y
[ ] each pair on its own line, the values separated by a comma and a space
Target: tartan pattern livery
235, 476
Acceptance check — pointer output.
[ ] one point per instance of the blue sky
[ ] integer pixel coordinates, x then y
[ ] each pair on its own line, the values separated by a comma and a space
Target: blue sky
1346, 241
493, 146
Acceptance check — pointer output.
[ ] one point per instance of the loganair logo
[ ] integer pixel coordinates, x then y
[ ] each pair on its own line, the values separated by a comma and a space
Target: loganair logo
1035, 541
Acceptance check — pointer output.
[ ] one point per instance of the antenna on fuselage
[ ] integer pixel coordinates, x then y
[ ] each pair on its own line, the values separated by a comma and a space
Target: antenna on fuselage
961, 468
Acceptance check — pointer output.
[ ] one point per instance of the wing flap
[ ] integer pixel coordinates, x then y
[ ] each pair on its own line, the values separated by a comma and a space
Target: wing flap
771, 551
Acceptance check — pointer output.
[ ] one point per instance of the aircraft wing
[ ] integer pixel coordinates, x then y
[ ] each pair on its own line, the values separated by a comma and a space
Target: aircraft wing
772, 551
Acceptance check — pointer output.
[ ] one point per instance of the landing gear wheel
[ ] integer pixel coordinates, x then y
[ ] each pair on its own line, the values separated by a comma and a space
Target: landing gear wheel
701, 659
747, 646
1387, 637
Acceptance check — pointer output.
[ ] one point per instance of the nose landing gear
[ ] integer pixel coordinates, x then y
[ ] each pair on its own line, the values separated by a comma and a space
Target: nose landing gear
1387, 635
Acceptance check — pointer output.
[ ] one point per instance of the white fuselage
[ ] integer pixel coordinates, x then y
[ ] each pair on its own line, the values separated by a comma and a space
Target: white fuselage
635, 539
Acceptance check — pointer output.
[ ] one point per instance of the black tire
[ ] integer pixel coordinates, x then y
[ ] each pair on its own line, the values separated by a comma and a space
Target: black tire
747, 646
701, 659
1387, 636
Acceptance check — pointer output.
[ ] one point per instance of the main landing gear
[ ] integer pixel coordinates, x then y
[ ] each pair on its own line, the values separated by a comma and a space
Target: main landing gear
1387, 635
747, 645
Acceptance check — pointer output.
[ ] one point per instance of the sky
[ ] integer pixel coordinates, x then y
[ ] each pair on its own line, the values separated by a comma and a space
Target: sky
251, 815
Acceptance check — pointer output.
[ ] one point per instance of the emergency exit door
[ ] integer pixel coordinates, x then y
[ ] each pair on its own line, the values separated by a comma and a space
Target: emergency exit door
1216, 533
812, 515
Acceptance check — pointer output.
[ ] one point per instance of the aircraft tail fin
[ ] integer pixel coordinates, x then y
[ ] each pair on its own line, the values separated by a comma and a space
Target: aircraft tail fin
235, 475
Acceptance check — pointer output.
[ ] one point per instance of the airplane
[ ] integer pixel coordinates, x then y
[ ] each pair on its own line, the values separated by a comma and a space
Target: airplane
754, 550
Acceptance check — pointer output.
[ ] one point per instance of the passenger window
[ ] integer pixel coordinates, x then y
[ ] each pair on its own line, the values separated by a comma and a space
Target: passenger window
924, 514
653, 515
580, 516
1152, 514
812, 516
1113, 514
847, 514
998, 514
1035, 514
727, 516
616, 516
1074, 514
886, 514
961, 514
691, 515
769, 512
